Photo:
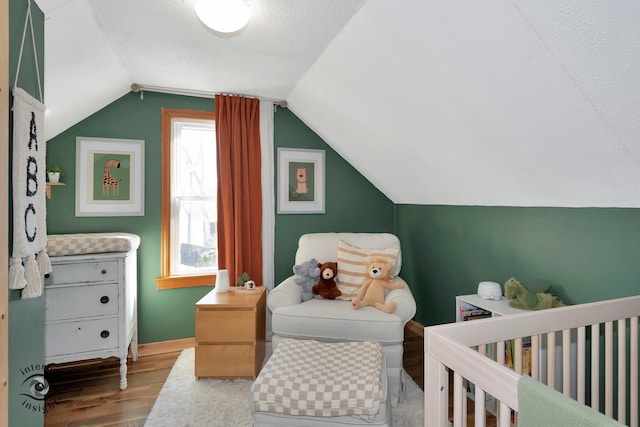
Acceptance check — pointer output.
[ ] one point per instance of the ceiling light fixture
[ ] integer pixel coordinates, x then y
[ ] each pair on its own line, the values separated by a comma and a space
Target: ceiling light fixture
224, 16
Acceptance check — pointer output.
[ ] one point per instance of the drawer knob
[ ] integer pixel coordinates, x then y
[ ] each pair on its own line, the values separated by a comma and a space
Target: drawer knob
104, 271
104, 299
104, 334
46, 276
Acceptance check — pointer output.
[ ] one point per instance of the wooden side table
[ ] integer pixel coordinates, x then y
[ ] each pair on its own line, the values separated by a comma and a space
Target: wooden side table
230, 334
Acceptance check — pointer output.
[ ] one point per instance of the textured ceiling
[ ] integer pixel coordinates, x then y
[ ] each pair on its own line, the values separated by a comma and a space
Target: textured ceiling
498, 102
95, 50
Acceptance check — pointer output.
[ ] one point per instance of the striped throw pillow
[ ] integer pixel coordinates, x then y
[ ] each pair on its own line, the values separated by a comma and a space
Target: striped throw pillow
352, 266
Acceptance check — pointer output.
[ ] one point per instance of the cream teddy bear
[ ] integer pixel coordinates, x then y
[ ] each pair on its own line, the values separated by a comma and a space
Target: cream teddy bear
372, 291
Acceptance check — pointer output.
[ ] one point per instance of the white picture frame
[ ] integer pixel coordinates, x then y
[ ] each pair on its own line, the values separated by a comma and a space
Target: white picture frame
300, 181
109, 177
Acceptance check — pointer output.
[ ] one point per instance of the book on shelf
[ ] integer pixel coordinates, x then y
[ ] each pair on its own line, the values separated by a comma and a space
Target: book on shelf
469, 312
509, 359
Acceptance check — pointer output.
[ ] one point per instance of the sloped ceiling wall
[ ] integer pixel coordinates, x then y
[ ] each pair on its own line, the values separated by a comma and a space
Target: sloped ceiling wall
493, 102
496, 102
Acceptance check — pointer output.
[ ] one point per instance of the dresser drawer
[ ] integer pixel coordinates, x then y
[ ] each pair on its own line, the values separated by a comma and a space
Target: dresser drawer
226, 361
225, 326
72, 302
81, 336
86, 272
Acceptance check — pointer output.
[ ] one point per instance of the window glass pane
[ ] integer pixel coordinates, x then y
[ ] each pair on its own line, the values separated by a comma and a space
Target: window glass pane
195, 161
197, 236
193, 210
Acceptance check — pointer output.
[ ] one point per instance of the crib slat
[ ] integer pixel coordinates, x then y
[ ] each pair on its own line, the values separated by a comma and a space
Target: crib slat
608, 369
464, 404
622, 371
581, 362
518, 355
551, 360
500, 352
505, 416
480, 408
633, 371
566, 362
595, 367
535, 357
458, 391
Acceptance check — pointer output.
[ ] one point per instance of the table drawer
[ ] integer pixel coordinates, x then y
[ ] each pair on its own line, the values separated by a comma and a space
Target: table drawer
72, 302
226, 361
86, 272
225, 326
81, 336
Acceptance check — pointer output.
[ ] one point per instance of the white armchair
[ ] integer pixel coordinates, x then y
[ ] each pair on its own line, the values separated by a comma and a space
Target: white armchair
336, 320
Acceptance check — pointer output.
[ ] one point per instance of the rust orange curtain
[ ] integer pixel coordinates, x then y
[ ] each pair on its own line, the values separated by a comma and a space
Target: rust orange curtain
239, 186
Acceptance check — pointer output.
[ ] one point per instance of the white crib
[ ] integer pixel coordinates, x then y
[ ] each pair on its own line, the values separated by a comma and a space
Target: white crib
467, 351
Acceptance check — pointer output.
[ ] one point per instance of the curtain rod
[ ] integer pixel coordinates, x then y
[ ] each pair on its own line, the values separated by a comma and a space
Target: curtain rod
138, 88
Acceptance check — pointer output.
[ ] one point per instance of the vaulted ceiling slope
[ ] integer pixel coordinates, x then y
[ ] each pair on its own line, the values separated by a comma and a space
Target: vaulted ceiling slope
498, 102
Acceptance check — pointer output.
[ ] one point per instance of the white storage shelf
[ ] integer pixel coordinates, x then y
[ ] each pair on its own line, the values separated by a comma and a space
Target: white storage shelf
497, 308
501, 308
90, 308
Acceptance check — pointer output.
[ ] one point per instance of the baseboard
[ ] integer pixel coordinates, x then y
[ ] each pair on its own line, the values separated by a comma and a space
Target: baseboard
415, 328
162, 347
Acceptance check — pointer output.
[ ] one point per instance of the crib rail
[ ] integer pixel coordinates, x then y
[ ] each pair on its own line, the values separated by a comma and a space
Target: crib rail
459, 349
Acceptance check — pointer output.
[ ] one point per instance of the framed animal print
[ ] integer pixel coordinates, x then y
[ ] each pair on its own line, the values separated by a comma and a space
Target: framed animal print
109, 177
300, 181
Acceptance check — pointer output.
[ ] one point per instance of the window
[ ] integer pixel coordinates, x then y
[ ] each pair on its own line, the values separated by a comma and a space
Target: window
189, 253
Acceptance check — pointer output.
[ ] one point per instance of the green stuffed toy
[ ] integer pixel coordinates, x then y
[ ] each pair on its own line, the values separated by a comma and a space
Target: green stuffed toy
520, 297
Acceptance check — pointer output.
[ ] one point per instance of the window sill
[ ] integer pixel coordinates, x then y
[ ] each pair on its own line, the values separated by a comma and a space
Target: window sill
172, 282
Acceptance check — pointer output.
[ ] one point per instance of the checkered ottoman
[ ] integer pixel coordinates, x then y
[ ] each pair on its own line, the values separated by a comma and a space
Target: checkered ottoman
312, 383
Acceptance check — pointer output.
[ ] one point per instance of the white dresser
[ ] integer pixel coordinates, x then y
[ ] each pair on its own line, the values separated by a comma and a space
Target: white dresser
90, 308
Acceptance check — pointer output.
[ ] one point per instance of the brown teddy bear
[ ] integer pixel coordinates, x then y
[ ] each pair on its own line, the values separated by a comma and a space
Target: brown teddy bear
326, 286
372, 290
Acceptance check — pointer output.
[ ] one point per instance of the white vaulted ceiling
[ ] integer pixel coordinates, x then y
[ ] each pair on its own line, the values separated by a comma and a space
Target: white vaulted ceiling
498, 102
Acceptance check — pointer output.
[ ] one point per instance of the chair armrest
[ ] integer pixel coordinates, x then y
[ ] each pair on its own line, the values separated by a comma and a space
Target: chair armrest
288, 292
405, 303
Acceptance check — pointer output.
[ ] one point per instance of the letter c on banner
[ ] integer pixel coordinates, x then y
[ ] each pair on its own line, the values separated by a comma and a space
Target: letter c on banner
32, 210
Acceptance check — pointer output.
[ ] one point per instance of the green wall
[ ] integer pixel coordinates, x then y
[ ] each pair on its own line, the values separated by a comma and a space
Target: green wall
169, 314
586, 254
26, 317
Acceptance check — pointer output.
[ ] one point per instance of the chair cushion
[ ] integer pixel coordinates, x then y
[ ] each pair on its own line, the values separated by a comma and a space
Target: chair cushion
352, 266
335, 320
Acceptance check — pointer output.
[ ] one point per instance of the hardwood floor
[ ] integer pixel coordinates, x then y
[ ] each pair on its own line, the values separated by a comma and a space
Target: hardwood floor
88, 393
413, 357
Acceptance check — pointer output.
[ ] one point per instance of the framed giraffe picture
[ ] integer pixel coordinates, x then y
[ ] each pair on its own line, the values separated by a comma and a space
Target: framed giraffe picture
109, 177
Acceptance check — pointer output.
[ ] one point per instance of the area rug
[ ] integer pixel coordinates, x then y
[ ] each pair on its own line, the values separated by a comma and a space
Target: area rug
185, 401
